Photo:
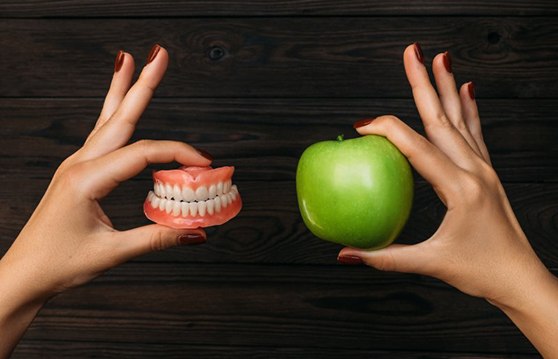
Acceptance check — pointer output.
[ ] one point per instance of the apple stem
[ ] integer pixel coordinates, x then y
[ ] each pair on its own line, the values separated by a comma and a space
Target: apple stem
341, 137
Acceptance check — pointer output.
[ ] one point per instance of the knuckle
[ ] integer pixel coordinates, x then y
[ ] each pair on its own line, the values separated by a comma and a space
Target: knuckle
473, 189
157, 242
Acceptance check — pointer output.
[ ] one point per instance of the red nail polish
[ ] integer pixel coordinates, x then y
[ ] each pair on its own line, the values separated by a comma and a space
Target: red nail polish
447, 61
153, 53
204, 153
471, 88
363, 123
418, 52
191, 238
119, 61
350, 260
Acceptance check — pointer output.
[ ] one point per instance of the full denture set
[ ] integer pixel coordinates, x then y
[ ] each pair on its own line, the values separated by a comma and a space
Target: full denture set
191, 197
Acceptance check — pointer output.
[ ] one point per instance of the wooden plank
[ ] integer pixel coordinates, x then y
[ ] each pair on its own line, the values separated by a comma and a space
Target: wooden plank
280, 57
269, 228
151, 8
37, 134
267, 306
30, 349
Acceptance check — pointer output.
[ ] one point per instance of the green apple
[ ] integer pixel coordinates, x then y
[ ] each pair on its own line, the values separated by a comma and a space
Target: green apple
356, 192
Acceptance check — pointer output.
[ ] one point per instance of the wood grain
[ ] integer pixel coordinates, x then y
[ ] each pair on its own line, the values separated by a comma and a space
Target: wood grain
30, 349
280, 57
265, 137
152, 8
267, 306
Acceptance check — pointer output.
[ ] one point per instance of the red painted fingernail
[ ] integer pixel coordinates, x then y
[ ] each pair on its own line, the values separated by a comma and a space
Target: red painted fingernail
119, 61
153, 53
204, 153
471, 88
350, 260
192, 238
363, 123
447, 62
418, 52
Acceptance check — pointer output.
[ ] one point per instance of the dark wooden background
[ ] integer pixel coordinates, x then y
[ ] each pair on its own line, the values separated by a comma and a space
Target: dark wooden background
254, 83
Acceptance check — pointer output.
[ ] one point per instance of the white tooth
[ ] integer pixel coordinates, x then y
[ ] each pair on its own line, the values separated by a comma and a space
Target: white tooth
155, 202
234, 192
201, 208
212, 191
220, 188
217, 204
177, 193
161, 190
168, 206
156, 188
232, 197
185, 208
175, 208
227, 187
162, 204
188, 194
168, 191
201, 193
210, 203
150, 196
224, 201
193, 208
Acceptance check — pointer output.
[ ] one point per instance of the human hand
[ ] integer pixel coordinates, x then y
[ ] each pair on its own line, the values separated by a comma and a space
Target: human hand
69, 240
480, 247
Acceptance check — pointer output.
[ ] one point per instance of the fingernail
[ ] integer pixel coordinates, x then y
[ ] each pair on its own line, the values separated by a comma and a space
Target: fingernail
471, 88
204, 153
363, 123
119, 61
191, 238
447, 61
350, 260
418, 53
153, 53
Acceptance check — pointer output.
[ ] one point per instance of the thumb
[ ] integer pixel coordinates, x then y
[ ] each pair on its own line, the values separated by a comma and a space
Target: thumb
155, 237
396, 258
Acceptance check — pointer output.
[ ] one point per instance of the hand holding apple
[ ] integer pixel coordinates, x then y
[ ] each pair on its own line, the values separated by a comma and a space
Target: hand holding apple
355, 192
480, 247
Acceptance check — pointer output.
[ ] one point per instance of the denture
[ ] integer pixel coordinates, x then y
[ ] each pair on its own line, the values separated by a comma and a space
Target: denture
192, 197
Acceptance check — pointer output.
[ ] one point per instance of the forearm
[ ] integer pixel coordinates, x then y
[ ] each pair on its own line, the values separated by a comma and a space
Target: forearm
18, 308
535, 312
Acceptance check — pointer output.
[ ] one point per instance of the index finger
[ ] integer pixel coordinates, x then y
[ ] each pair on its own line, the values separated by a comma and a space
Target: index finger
103, 174
427, 159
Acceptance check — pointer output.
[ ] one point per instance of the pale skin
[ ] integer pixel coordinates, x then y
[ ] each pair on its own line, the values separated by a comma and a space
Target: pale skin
69, 240
480, 247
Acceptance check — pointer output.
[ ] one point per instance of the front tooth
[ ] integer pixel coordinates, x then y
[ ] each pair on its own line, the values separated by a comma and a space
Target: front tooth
224, 201
201, 208
210, 203
193, 209
168, 206
155, 202
217, 204
177, 193
220, 188
175, 208
168, 191
185, 208
227, 187
162, 190
156, 189
212, 191
188, 194
162, 204
150, 196
201, 193
234, 192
